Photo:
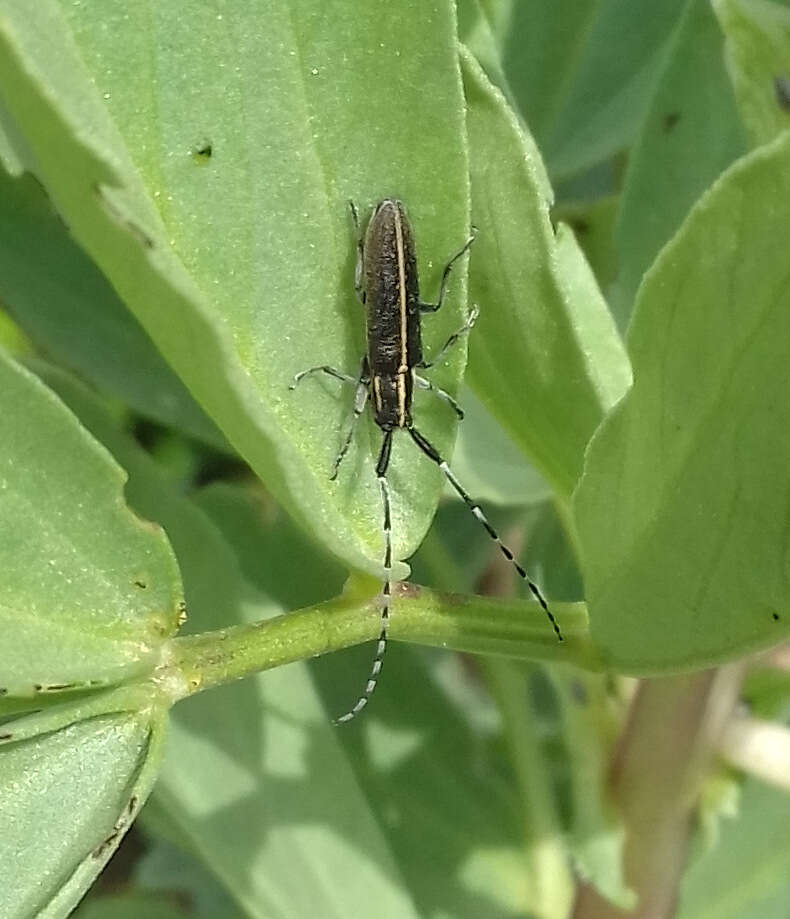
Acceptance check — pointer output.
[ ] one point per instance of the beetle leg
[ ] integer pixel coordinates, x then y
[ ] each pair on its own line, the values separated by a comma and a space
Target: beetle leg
464, 330
433, 307
431, 452
426, 384
324, 368
359, 286
360, 401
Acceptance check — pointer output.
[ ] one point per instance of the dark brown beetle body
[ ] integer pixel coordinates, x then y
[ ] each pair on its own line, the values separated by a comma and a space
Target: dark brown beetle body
392, 301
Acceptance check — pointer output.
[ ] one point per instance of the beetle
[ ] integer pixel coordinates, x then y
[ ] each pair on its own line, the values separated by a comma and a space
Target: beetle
387, 284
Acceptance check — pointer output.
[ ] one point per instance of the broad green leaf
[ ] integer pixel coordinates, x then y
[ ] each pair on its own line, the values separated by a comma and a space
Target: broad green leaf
544, 356
131, 906
14, 158
496, 13
766, 692
758, 59
483, 27
89, 591
583, 73
269, 800
68, 308
176, 874
456, 844
213, 590
489, 464
71, 783
690, 135
679, 512
546, 866
603, 355
204, 158
292, 571
747, 875
593, 223
12, 338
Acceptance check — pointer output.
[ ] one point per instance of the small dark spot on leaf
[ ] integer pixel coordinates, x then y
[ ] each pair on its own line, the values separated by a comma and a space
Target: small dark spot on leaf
6, 736
670, 120
202, 152
37, 687
57, 687
141, 584
132, 804
775, 617
3, 691
782, 91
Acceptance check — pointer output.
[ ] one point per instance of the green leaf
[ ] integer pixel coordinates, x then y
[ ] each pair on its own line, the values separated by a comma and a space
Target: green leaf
482, 28
71, 782
546, 867
545, 357
583, 73
239, 263
130, 906
68, 308
14, 158
213, 588
746, 875
690, 135
679, 513
293, 571
176, 874
90, 591
593, 223
758, 59
489, 464
271, 805
269, 801
12, 338
456, 844
90, 594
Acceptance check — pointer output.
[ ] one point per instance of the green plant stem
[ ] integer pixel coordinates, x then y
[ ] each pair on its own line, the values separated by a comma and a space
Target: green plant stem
673, 732
482, 625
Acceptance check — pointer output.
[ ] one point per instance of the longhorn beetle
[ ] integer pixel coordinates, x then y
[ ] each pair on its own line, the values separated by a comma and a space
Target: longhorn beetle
386, 283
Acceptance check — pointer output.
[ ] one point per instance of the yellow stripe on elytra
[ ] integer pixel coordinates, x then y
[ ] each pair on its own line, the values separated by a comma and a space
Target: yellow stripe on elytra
377, 392
401, 384
402, 293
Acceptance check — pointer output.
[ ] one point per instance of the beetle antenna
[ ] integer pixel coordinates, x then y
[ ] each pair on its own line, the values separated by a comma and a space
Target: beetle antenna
430, 451
386, 590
